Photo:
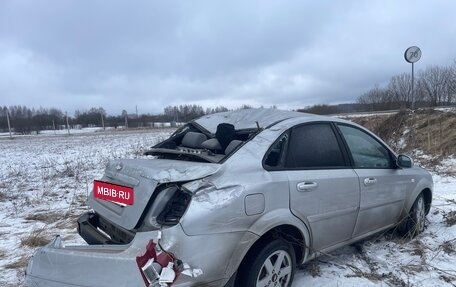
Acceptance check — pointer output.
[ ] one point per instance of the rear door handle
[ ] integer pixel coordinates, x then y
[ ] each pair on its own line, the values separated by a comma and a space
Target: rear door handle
370, 181
306, 186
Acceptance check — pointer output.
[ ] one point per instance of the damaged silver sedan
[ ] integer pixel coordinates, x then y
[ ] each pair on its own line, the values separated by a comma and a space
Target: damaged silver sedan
237, 199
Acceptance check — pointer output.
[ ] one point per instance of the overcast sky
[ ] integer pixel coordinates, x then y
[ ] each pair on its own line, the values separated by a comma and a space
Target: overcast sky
119, 54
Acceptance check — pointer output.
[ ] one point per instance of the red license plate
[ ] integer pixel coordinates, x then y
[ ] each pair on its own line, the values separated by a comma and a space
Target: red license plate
113, 192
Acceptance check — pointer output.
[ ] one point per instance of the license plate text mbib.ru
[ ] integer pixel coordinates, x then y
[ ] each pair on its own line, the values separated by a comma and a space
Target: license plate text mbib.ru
112, 192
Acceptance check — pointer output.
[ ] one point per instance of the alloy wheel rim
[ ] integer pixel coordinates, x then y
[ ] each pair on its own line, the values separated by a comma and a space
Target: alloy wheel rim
276, 270
420, 215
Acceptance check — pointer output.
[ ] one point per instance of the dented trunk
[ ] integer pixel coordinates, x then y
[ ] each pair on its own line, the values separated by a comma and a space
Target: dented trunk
144, 176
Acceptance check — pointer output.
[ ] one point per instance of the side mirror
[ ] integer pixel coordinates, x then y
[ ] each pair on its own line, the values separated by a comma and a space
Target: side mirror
404, 161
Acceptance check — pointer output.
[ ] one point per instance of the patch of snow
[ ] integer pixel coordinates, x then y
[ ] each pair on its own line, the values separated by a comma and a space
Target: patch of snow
446, 109
401, 144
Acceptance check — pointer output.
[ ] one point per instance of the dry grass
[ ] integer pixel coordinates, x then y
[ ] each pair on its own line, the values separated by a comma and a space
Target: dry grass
373, 274
68, 223
448, 247
3, 196
46, 217
434, 132
20, 263
449, 218
447, 279
419, 249
313, 267
393, 128
431, 131
36, 238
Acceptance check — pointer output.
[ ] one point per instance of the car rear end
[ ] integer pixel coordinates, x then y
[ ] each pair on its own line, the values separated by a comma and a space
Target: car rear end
134, 204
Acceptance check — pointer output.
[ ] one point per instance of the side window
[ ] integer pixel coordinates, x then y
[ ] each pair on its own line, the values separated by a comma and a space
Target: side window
273, 158
314, 146
366, 151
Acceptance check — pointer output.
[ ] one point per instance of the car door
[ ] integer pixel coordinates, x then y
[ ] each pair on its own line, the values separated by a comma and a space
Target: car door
324, 189
383, 188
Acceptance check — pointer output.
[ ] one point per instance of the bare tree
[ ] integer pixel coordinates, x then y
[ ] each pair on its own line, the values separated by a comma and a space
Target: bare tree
452, 83
400, 88
436, 86
376, 98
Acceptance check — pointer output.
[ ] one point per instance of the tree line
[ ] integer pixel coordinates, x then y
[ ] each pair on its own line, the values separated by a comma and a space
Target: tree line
25, 120
434, 86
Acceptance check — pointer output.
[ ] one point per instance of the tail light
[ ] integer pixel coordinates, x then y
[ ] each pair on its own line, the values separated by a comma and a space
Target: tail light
175, 209
157, 267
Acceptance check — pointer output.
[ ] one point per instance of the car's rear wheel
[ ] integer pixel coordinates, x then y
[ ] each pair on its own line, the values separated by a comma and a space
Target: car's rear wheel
415, 222
273, 265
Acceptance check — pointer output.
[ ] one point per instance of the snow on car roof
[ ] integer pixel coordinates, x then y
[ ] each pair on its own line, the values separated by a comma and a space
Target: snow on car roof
247, 118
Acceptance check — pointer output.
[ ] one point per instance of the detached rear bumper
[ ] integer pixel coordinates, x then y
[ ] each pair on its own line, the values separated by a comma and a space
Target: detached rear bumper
103, 265
116, 265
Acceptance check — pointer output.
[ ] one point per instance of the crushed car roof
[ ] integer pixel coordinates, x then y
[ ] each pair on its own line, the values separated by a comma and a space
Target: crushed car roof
247, 118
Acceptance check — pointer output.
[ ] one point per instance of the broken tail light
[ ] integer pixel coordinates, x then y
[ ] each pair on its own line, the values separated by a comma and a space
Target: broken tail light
174, 209
157, 267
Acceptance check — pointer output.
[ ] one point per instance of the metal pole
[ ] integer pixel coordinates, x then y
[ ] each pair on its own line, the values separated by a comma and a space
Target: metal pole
412, 55
53, 125
102, 121
413, 90
68, 126
137, 116
9, 125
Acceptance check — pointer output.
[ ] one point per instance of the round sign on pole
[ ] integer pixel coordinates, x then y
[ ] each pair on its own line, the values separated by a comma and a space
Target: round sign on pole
412, 54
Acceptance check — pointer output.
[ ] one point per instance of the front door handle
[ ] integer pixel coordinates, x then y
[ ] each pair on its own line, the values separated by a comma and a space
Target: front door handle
370, 181
306, 186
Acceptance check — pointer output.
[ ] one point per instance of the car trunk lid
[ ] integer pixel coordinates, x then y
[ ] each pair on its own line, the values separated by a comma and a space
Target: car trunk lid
144, 175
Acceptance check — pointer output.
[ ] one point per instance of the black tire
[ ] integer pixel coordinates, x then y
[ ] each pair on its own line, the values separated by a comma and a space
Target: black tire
415, 222
254, 271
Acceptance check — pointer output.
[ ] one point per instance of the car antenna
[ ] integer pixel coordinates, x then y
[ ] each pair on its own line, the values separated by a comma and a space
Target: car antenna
258, 125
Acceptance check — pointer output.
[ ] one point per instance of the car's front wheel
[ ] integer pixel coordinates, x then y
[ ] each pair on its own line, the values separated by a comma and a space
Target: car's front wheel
415, 222
271, 266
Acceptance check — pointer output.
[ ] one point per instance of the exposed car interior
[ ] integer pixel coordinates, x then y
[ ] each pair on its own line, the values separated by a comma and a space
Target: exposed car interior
192, 142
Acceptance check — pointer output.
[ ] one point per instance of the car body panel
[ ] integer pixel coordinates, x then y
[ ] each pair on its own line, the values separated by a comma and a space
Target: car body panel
280, 217
382, 200
331, 207
418, 179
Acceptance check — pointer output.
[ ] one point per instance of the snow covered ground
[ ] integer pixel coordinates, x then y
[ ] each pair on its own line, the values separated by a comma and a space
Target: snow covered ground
60, 132
45, 181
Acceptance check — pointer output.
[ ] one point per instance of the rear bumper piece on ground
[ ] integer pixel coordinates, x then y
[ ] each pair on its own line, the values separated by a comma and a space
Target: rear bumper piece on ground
102, 265
55, 265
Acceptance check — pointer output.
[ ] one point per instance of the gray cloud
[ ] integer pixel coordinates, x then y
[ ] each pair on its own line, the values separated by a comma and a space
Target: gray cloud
79, 54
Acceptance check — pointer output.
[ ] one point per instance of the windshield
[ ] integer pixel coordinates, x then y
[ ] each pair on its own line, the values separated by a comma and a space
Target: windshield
194, 143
